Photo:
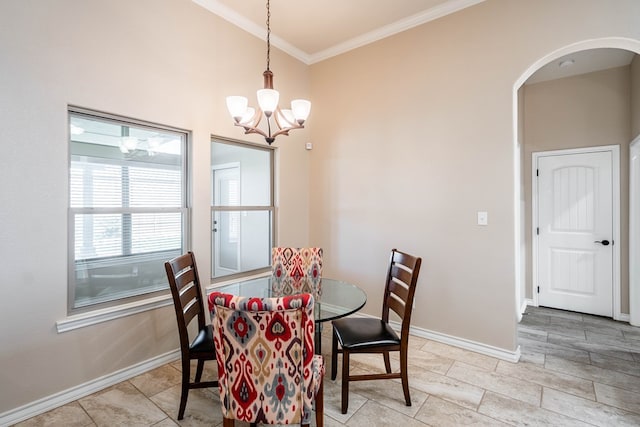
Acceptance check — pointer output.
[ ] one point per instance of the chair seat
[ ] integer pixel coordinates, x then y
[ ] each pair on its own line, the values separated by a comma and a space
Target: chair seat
354, 333
203, 343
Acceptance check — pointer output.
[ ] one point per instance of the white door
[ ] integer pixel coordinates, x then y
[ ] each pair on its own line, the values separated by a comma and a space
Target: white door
226, 227
575, 232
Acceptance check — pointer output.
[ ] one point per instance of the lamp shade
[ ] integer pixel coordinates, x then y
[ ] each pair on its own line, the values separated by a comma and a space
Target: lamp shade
286, 119
301, 109
247, 118
268, 100
237, 106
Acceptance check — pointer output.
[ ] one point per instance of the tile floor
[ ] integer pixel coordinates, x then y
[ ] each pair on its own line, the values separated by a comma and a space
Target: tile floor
575, 370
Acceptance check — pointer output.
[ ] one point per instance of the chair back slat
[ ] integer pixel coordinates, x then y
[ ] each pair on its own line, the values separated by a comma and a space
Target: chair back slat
401, 275
400, 290
182, 272
191, 310
398, 306
185, 277
400, 287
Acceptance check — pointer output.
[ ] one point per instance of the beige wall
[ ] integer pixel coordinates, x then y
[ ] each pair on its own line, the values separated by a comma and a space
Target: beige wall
635, 97
414, 134
169, 62
583, 111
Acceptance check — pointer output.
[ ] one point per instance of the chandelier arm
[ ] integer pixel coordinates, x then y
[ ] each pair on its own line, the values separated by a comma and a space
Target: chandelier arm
251, 129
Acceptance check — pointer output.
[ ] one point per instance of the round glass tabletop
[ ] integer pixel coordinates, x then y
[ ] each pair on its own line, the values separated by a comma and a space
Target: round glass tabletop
334, 298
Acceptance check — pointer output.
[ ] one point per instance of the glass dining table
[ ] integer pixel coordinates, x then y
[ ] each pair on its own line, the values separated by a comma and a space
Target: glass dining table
334, 298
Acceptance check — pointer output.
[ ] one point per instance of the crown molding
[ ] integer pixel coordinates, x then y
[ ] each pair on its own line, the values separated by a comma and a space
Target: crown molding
412, 21
252, 28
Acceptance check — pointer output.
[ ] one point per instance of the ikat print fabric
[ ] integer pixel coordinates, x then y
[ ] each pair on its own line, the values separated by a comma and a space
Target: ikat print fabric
267, 370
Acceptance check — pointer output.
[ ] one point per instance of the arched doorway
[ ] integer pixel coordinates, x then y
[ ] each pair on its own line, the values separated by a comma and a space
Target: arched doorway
524, 286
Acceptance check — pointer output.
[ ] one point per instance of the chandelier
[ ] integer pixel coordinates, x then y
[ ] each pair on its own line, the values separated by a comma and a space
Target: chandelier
284, 120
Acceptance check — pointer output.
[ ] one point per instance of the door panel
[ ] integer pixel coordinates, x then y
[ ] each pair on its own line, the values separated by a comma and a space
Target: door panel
226, 192
575, 211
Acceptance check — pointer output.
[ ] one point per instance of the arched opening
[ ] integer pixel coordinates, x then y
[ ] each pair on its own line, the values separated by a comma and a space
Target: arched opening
522, 168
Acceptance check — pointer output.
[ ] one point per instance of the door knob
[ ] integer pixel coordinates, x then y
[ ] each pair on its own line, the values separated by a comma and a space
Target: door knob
602, 242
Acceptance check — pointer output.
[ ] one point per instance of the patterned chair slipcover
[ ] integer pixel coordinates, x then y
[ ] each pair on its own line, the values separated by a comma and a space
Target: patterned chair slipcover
267, 370
296, 270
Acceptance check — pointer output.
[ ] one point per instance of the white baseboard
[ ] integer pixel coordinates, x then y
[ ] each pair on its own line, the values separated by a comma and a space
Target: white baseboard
74, 393
622, 317
487, 350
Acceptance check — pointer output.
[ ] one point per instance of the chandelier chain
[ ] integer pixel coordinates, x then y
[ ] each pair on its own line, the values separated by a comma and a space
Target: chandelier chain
268, 34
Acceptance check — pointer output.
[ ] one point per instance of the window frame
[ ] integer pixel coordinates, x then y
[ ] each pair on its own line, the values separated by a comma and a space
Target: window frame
150, 299
271, 208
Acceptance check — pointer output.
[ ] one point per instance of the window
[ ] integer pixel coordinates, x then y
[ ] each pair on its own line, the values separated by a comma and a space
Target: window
127, 207
242, 208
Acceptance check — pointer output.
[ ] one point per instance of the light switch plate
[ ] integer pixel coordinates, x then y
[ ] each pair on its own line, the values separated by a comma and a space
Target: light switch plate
483, 218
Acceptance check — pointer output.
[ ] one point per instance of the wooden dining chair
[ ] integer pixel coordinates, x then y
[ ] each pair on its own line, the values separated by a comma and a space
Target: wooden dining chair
184, 282
267, 369
369, 335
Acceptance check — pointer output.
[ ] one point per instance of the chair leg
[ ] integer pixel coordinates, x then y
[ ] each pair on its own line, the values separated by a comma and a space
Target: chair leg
345, 380
334, 357
186, 367
320, 405
228, 422
199, 370
387, 362
404, 372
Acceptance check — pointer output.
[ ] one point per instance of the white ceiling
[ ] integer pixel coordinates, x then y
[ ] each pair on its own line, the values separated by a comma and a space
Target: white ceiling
582, 62
314, 30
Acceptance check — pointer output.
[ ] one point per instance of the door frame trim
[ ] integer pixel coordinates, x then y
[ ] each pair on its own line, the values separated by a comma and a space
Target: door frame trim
615, 192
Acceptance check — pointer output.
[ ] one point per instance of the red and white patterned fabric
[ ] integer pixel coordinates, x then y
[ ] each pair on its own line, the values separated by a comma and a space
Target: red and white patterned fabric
267, 370
293, 269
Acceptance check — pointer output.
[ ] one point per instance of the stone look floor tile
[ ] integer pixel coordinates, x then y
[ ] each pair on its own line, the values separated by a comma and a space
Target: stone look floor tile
203, 406
553, 349
585, 410
532, 357
157, 380
615, 364
630, 345
390, 394
466, 356
539, 375
594, 373
589, 346
167, 422
121, 404
496, 382
438, 412
447, 388
333, 398
517, 413
532, 334
618, 397
375, 414
70, 415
